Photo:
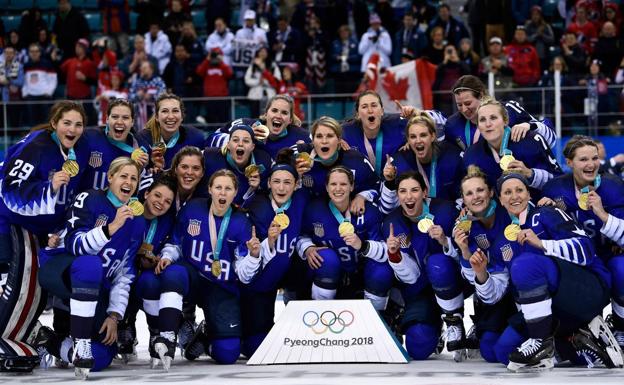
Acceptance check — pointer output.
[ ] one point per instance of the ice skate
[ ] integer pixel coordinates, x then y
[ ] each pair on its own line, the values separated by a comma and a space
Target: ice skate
608, 341
83, 358
455, 336
535, 354
165, 347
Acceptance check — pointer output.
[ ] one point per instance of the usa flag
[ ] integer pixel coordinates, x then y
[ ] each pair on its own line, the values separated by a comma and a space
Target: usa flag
95, 160
194, 227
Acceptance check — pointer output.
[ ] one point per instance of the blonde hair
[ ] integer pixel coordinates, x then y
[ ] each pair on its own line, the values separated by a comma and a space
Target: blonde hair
121, 162
490, 101
291, 108
327, 121
474, 171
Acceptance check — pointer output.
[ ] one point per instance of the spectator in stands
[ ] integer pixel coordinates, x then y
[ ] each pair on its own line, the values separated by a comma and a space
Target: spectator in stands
150, 11
345, 61
105, 60
262, 77
158, 45
115, 90
521, 10
574, 55
11, 82
523, 59
494, 19
609, 49
376, 39
218, 9
116, 24
289, 85
31, 22
363, 10
266, 12
496, 62
131, 63
611, 13
193, 45
172, 23
69, 26
540, 34
250, 31
454, 29
305, 11
80, 72
476, 23
21, 52
408, 39
619, 79
597, 88
216, 75
435, 49
48, 49
423, 13
568, 104
144, 90
447, 74
40, 81
221, 38
286, 43
468, 56
316, 56
585, 30
179, 75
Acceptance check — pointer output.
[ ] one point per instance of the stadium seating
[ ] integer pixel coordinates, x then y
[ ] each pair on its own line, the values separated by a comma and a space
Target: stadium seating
11, 22
95, 21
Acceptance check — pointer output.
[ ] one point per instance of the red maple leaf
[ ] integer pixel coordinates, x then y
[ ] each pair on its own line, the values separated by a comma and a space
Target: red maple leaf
397, 90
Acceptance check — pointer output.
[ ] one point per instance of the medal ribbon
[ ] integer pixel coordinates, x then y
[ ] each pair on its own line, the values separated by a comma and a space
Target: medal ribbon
113, 199
375, 157
431, 181
71, 154
121, 145
285, 206
338, 215
490, 210
324, 162
425, 213
514, 219
152, 231
597, 183
173, 141
252, 160
467, 134
217, 243
503, 150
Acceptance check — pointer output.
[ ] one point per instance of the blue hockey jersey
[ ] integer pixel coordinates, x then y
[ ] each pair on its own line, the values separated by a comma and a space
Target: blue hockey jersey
189, 136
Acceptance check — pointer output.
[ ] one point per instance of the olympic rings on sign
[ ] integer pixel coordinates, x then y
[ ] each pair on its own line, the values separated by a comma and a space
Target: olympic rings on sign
328, 320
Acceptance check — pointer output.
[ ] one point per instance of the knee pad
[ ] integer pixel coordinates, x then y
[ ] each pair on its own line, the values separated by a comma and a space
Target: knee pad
328, 275
507, 342
225, 351
251, 344
148, 285
175, 278
87, 271
486, 346
378, 278
102, 355
444, 274
421, 340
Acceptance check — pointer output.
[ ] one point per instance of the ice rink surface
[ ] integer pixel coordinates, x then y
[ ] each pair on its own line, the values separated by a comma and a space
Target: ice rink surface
439, 369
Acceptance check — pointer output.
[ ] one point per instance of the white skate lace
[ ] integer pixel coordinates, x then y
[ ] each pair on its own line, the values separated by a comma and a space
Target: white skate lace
83, 348
530, 346
453, 333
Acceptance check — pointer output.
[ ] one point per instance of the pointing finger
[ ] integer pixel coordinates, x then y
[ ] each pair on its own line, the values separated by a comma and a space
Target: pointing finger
398, 104
253, 231
391, 230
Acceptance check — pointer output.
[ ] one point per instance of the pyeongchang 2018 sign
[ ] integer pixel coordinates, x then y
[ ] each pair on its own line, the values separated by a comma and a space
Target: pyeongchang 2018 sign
329, 331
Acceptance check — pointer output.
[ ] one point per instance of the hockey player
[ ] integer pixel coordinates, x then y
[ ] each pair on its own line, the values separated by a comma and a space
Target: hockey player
325, 153
461, 127
113, 141
165, 134
336, 245
214, 247
495, 152
597, 203
251, 165
474, 234
377, 135
278, 217
415, 231
439, 162
188, 167
553, 265
40, 177
104, 230
284, 127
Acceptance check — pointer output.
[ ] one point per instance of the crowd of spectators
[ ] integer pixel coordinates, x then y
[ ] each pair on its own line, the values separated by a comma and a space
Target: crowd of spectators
309, 46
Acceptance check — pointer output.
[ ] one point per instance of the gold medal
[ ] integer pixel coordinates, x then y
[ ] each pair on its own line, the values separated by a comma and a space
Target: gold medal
505, 160
215, 268
464, 225
346, 228
251, 169
160, 146
306, 157
136, 207
511, 232
136, 154
146, 251
424, 225
264, 131
282, 220
71, 167
582, 201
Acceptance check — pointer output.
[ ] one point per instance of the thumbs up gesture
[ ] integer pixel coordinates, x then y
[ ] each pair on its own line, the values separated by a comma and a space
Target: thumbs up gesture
253, 244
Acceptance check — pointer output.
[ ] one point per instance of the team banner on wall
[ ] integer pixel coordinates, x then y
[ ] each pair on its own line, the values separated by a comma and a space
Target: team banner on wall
329, 331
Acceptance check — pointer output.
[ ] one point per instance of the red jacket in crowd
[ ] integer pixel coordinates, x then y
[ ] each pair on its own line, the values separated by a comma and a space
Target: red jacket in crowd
77, 88
525, 63
215, 78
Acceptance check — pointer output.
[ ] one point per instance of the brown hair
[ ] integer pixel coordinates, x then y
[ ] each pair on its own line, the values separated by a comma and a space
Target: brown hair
152, 124
470, 83
360, 96
343, 170
223, 172
184, 152
57, 111
291, 104
576, 142
120, 102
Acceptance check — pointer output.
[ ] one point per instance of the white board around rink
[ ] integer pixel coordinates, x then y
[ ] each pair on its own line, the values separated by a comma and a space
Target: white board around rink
329, 332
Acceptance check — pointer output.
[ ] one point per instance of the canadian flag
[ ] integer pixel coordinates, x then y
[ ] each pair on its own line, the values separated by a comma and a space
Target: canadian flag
408, 83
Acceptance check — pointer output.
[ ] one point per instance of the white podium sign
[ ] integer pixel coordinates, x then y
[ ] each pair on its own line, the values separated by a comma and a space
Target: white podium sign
329, 331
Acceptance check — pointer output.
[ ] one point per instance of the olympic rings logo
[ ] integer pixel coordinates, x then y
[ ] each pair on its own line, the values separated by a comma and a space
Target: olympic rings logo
328, 320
